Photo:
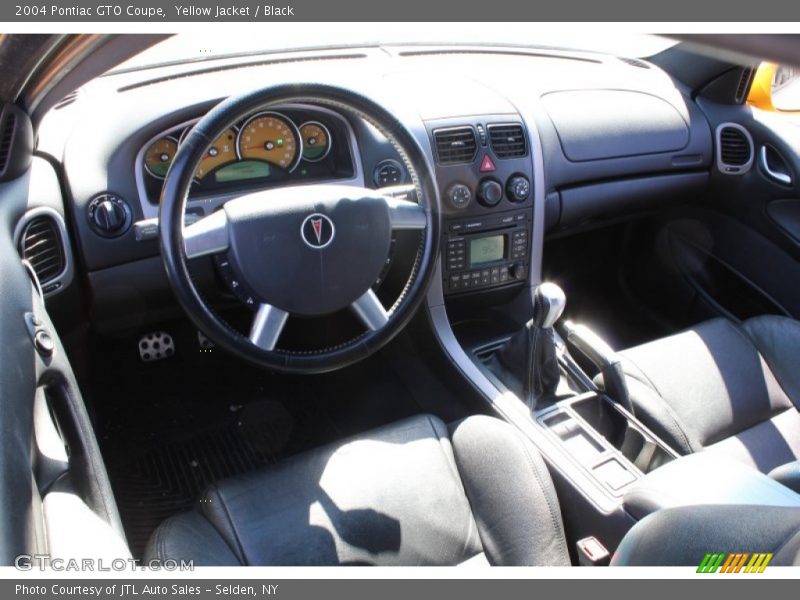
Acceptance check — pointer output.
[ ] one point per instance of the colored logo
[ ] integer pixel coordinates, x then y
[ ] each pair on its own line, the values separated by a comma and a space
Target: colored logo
734, 562
317, 231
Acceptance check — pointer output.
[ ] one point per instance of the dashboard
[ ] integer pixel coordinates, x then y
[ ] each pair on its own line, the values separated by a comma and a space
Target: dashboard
522, 143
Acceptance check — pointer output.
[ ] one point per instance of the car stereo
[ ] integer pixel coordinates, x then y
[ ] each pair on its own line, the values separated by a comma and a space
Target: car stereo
486, 252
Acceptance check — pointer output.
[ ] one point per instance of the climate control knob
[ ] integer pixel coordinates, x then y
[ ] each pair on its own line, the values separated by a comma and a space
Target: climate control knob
109, 215
459, 195
490, 192
518, 188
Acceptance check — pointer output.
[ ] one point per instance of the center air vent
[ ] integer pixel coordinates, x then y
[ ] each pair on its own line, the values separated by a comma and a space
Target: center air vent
455, 145
734, 149
41, 242
508, 141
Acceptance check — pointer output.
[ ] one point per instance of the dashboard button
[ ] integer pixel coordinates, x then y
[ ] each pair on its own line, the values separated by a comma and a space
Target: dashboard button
459, 195
490, 192
518, 188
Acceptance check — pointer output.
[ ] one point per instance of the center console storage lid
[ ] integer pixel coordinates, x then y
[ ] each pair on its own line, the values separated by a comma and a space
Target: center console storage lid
703, 479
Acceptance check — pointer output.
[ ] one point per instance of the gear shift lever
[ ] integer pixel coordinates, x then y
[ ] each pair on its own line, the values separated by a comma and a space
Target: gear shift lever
527, 363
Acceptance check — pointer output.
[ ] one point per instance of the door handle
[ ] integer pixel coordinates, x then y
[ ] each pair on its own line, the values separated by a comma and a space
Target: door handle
779, 176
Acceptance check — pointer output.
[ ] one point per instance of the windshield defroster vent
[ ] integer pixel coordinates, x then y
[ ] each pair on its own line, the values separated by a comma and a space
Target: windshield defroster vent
455, 145
734, 149
508, 141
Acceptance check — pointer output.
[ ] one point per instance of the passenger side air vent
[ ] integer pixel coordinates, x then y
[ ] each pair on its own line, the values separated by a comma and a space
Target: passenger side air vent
745, 79
508, 141
455, 145
6, 137
734, 149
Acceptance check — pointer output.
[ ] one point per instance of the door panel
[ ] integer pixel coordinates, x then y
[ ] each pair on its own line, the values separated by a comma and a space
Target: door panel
48, 453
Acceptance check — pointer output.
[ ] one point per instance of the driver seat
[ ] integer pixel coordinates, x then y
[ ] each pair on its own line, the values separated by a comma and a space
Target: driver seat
413, 492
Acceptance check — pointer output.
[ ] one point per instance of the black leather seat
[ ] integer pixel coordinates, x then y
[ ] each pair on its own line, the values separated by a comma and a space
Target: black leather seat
682, 536
727, 388
411, 493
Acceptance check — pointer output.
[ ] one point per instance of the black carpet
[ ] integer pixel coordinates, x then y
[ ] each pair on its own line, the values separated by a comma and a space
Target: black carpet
168, 429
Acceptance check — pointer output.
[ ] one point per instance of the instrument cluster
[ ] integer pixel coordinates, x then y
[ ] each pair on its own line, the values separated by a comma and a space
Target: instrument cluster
292, 145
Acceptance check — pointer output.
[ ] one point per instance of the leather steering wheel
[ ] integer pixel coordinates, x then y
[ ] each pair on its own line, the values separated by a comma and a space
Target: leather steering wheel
306, 250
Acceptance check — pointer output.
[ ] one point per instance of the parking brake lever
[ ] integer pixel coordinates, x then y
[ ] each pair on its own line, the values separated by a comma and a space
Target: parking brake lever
593, 347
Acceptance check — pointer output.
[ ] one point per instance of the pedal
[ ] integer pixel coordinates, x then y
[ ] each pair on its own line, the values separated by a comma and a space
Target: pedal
206, 345
156, 346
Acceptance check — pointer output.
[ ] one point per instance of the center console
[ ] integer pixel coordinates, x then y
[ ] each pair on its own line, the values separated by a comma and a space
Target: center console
484, 169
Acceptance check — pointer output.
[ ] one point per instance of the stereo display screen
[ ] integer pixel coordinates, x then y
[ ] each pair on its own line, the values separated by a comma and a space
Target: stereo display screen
486, 249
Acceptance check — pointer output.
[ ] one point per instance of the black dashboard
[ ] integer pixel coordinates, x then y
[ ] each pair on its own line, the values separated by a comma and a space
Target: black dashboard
523, 144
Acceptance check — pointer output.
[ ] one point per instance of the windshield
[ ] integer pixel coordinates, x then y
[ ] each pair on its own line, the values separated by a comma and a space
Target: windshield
295, 36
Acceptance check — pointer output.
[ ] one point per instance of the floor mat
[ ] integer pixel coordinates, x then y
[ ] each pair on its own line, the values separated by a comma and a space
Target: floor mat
169, 479
168, 429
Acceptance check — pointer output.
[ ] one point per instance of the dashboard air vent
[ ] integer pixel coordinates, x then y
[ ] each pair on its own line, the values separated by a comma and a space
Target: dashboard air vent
6, 138
66, 100
743, 88
41, 245
508, 141
455, 145
634, 62
734, 149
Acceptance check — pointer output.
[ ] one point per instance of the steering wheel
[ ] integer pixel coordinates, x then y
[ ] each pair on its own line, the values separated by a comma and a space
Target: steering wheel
305, 250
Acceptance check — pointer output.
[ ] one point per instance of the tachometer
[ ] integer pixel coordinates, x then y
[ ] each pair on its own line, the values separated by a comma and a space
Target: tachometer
316, 141
159, 155
270, 137
221, 152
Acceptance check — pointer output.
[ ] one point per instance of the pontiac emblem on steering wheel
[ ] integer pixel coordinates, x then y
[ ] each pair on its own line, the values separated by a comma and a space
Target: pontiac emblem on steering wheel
317, 231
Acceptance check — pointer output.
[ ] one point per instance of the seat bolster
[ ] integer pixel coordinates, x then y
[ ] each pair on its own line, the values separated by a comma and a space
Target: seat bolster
510, 492
682, 536
788, 475
190, 536
778, 341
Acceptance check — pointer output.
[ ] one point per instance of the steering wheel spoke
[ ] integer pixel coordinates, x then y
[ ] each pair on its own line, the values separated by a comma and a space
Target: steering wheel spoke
267, 326
370, 311
209, 235
405, 214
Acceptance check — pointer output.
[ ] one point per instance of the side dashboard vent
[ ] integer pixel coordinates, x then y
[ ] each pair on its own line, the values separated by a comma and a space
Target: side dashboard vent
508, 141
734, 149
6, 138
42, 244
745, 79
455, 145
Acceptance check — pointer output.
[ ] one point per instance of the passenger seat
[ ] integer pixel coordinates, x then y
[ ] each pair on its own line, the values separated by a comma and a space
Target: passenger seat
724, 387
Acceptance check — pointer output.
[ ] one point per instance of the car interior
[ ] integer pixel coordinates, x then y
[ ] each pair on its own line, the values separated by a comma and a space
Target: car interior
399, 304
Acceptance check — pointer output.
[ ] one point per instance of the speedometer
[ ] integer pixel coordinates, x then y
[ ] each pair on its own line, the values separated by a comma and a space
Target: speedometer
272, 138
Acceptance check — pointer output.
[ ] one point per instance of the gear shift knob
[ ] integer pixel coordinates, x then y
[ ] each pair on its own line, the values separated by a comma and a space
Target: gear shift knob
548, 305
